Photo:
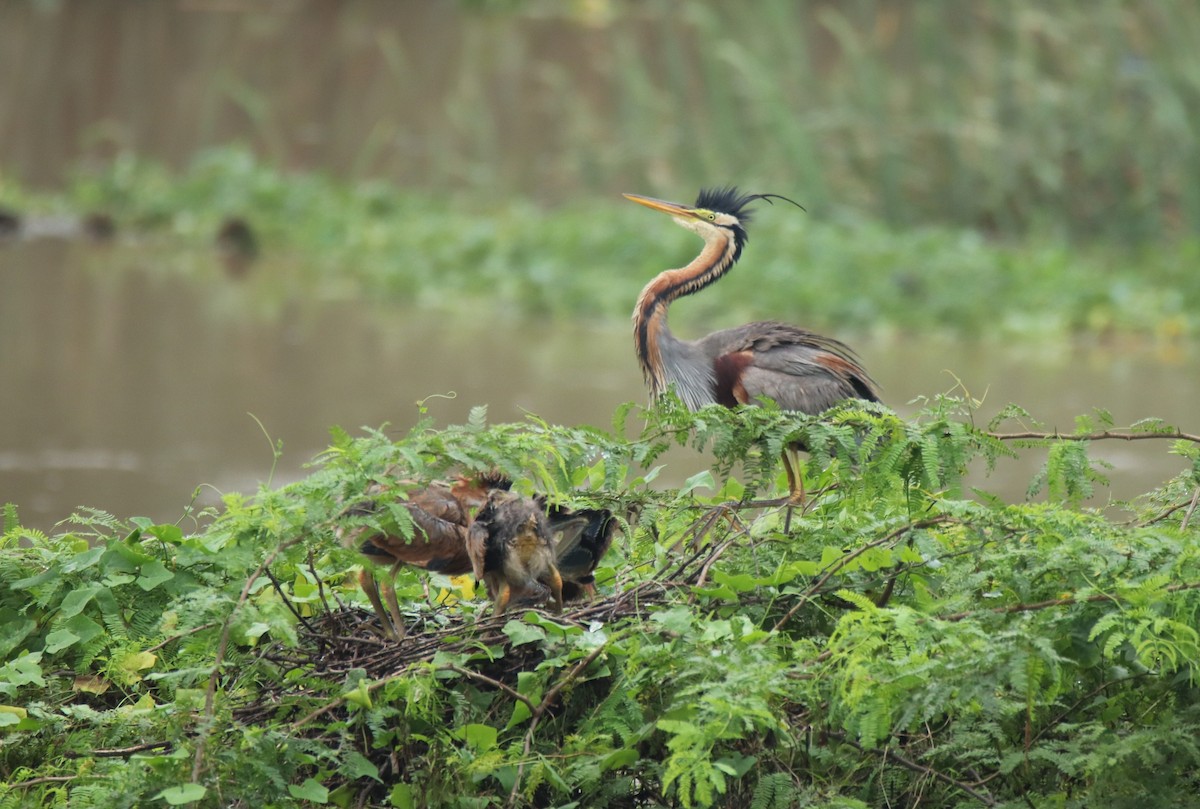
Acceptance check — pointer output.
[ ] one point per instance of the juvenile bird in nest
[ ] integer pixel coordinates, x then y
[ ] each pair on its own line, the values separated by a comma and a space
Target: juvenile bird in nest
510, 548
443, 517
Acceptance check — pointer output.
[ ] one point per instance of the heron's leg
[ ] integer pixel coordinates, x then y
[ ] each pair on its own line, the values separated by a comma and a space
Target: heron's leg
367, 580
389, 593
796, 496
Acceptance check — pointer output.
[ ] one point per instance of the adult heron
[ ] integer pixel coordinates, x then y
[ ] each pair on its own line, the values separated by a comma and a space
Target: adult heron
799, 369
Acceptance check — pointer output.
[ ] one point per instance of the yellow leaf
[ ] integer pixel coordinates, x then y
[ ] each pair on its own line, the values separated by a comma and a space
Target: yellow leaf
91, 684
464, 585
125, 669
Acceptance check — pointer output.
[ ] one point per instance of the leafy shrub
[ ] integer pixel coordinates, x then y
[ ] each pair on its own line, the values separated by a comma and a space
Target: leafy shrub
888, 642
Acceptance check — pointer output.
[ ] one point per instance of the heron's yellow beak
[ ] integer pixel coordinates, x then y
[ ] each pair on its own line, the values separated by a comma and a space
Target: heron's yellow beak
673, 208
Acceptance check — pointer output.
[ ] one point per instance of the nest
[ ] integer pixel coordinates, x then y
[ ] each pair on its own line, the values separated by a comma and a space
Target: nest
343, 639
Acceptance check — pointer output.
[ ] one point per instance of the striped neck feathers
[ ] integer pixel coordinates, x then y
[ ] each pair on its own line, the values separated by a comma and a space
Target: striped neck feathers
722, 248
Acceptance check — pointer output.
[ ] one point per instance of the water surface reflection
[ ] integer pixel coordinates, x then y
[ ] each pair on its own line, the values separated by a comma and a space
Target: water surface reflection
125, 390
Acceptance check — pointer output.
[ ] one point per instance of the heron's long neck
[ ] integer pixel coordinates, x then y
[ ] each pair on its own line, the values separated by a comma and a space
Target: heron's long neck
652, 337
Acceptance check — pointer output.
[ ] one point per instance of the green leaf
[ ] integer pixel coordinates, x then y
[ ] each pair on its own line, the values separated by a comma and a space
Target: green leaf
737, 766
310, 790
356, 765
529, 684
698, 480
25, 670
60, 639
185, 793
84, 628
153, 574
360, 695
127, 668
84, 560
168, 533
739, 582
14, 628
76, 600
676, 619
478, 737
520, 632
619, 758
401, 797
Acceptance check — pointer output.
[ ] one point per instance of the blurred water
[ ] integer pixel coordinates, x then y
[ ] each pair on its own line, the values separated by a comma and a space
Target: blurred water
125, 390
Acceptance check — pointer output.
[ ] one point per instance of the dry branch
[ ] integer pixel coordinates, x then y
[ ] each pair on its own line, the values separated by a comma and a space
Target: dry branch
1101, 435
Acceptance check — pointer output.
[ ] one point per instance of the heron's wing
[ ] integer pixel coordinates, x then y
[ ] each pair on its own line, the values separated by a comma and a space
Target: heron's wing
440, 502
797, 386
799, 369
436, 545
438, 542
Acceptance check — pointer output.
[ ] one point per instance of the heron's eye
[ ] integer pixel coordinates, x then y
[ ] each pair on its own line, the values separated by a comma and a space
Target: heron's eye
712, 217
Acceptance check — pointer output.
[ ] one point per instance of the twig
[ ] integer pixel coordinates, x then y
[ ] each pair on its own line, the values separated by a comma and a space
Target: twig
843, 561
1102, 435
1057, 602
1191, 510
1164, 514
287, 602
210, 694
45, 779
909, 764
174, 638
340, 701
714, 556
539, 711
483, 678
119, 752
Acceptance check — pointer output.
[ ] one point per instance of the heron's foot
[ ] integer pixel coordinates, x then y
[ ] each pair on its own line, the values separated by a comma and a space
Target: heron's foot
796, 499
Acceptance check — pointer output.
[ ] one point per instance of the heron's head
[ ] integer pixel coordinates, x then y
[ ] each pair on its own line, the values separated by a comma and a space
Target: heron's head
716, 210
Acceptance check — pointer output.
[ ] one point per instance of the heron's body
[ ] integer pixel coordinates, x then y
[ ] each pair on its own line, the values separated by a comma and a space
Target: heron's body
798, 369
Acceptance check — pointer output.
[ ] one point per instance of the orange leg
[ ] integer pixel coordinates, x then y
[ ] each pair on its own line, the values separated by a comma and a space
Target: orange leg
503, 594
556, 586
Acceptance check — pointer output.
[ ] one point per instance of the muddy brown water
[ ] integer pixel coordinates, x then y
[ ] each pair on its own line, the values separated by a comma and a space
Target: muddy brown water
126, 390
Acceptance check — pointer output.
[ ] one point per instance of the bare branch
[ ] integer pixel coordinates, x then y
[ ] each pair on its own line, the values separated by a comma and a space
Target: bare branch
887, 753
540, 711
829, 572
1102, 435
210, 693
1191, 510
483, 678
1057, 602
120, 752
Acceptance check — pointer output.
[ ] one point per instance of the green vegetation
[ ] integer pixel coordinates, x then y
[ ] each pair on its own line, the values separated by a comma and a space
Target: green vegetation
1011, 116
1008, 117
976, 169
898, 644
589, 259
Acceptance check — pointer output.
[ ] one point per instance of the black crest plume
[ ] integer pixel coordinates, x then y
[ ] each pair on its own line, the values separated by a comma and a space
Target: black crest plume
731, 201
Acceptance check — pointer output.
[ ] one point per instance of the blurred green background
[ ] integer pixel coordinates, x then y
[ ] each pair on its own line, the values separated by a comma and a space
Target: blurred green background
1073, 118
